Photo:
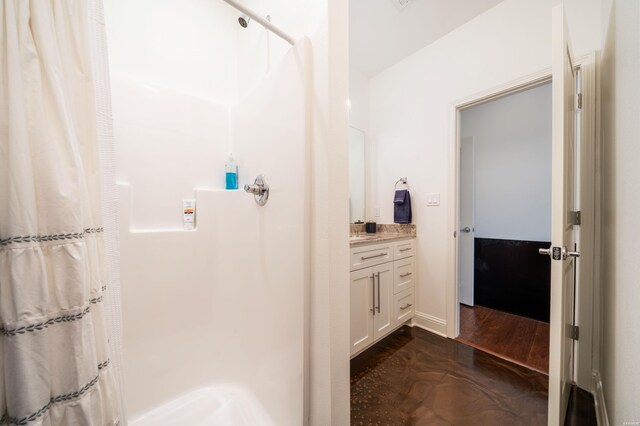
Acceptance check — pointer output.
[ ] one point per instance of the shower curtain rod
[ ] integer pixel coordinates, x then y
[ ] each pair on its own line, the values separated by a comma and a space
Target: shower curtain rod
259, 19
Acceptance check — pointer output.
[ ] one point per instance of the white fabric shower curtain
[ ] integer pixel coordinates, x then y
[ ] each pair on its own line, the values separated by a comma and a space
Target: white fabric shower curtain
55, 365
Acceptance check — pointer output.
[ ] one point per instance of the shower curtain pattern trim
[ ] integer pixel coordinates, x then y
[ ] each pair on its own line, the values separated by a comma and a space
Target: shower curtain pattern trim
6, 419
57, 320
52, 237
45, 324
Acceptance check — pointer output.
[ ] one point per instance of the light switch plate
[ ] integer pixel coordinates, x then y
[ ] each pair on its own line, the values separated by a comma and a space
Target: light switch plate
433, 199
376, 212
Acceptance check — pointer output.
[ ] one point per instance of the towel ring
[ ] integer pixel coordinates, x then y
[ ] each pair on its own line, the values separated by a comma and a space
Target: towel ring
402, 180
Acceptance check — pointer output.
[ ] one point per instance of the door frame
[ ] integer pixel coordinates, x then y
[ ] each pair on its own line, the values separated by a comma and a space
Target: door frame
589, 192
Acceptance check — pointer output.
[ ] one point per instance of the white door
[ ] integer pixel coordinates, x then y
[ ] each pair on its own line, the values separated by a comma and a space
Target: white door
562, 231
466, 232
384, 306
361, 308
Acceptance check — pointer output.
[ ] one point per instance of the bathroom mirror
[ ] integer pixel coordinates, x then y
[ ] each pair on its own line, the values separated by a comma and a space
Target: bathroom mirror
356, 175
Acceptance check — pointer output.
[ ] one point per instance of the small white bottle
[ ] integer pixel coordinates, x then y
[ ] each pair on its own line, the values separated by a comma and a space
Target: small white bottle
189, 214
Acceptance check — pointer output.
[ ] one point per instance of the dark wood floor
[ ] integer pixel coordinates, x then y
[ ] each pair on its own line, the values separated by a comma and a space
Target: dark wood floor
414, 377
521, 340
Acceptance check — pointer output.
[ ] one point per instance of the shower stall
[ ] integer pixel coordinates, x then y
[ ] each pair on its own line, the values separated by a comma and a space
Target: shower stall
214, 318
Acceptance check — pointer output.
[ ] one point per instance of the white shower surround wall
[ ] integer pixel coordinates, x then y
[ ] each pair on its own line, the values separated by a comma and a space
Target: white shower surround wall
224, 303
215, 314
151, 42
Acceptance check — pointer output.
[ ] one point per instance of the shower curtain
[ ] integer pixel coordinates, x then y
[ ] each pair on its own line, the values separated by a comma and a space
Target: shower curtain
55, 363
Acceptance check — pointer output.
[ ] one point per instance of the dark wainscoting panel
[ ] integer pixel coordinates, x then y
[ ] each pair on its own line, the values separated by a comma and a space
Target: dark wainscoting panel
511, 276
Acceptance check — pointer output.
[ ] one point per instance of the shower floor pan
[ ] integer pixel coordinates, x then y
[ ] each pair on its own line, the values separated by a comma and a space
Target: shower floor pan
214, 405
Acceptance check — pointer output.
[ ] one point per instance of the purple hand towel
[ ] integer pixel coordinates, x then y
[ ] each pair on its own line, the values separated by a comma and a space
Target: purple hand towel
402, 206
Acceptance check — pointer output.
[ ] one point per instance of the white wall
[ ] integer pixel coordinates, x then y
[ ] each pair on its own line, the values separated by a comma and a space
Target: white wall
358, 100
411, 116
174, 44
621, 202
512, 138
329, 295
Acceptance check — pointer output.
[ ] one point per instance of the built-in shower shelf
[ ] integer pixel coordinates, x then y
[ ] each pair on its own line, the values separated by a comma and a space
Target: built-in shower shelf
208, 202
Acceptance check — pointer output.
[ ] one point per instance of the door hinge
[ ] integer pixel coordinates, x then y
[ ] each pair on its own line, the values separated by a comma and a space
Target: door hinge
575, 217
573, 332
579, 101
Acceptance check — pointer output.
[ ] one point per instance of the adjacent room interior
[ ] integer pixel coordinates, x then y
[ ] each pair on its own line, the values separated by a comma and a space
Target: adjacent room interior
505, 218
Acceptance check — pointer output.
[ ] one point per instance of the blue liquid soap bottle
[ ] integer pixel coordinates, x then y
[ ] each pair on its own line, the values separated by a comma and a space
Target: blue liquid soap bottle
231, 171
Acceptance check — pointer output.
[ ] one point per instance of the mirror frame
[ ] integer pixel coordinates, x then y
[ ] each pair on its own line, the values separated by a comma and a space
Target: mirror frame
364, 175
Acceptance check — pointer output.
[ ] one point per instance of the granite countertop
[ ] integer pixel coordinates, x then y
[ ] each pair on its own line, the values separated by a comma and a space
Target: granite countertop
384, 232
360, 240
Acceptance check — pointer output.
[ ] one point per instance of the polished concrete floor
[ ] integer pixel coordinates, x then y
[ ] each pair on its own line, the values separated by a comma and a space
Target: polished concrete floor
414, 377
522, 340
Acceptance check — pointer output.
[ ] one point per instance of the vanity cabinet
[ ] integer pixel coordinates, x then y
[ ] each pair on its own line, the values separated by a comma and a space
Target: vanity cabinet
381, 291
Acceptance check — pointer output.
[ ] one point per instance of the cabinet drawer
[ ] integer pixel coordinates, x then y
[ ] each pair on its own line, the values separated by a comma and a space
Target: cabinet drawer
404, 249
404, 274
362, 257
404, 306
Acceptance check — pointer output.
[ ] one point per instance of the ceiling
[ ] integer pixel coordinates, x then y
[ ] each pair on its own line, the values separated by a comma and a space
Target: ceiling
381, 33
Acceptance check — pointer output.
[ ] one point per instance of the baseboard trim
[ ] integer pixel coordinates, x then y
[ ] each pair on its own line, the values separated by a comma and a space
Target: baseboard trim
598, 398
430, 323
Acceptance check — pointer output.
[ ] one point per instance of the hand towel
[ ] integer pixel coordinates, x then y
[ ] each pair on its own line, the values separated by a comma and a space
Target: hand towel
402, 206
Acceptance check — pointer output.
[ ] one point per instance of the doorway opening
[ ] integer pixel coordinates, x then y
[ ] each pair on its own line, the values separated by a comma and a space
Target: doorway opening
505, 218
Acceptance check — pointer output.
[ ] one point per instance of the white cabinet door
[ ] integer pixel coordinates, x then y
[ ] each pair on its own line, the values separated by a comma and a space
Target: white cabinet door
362, 303
384, 306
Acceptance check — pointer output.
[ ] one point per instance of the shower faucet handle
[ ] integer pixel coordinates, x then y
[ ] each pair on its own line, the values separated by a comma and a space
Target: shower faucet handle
254, 189
260, 190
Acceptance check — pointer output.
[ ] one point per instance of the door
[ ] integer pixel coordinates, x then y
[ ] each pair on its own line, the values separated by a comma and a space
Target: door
384, 306
563, 234
362, 303
467, 207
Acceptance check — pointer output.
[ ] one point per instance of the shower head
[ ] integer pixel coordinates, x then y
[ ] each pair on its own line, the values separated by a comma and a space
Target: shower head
243, 20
